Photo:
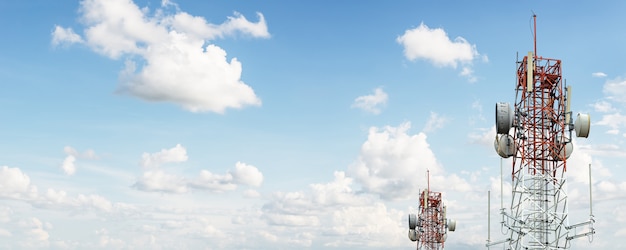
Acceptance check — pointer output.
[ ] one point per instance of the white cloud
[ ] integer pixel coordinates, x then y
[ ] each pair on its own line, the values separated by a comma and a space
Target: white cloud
613, 121
338, 192
469, 73
371, 103
435, 122
251, 193
154, 179
36, 234
598, 74
68, 165
62, 36
159, 181
603, 106
613, 131
611, 150
247, 175
176, 154
484, 137
15, 184
334, 215
392, 162
435, 46
168, 56
214, 182
96, 202
293, 220
375, 226
5, 214
615, 90
106, 241
88, 154
199, 28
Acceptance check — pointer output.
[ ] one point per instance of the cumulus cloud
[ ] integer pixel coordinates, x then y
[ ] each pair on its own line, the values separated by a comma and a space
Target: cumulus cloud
349, 218
68, 165
392, 162
435, 46
598, 74
243, 174
169, 57
371, 103
247, 175
176, 154
15, 184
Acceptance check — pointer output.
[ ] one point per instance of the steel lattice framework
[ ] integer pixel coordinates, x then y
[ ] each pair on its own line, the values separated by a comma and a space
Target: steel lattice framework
432, 232
540, 144
539, 203
429, 228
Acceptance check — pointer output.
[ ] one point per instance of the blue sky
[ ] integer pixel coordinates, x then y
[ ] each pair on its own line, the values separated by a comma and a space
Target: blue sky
299, 124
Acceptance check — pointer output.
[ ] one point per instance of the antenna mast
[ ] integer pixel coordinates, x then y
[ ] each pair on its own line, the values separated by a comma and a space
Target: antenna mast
535, 34
537, 133
429, 227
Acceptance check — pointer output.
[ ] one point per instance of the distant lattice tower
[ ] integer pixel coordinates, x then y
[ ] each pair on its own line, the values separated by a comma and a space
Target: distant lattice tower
429, 227
540, 144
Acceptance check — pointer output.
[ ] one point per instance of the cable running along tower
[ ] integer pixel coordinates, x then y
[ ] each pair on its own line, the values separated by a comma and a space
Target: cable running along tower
537, 133
429, 227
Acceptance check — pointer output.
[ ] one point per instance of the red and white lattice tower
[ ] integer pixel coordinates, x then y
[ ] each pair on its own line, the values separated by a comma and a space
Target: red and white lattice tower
537, 134
429, 227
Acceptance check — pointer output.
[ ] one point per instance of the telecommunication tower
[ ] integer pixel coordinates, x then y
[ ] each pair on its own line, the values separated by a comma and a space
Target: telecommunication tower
429, 227
537, 133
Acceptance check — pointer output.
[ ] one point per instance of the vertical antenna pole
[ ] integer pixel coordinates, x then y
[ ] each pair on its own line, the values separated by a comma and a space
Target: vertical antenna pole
535, 34
427, 193
590, 200
488, 216
501, 192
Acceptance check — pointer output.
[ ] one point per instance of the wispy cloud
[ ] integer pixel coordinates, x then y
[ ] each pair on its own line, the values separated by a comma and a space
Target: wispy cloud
598, 74
435, 122
371, 103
